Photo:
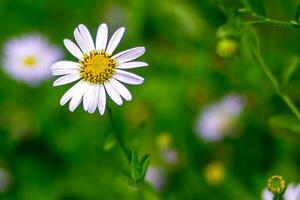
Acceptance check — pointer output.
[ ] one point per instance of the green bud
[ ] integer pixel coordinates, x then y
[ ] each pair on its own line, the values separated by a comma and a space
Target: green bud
227, 48
277, 185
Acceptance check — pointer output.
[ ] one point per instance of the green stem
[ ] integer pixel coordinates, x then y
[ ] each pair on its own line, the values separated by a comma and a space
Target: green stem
291, 105
265, 68
274, 22
275, 83
118, 135
278, 197
140, 193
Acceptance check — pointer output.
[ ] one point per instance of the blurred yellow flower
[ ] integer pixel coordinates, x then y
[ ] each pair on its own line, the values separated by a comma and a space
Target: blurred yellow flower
214, 173
163, 140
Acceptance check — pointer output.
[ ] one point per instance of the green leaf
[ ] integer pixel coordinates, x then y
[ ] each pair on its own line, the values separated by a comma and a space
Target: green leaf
109, 143
297, 12
135, 166
287, 122
290, 70
255, 6
144, 165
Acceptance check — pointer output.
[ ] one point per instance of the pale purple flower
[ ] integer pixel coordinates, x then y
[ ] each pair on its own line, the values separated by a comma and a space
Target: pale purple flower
157, 177
218, 119
28, 58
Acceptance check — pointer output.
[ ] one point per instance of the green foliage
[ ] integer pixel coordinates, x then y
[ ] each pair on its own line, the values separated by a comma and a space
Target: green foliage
110, 142
51, 153
297, 12
290, 70
255, 6
138, 167
287, 122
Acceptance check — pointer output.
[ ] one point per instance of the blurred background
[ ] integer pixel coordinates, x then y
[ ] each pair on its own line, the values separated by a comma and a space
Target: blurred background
203, 112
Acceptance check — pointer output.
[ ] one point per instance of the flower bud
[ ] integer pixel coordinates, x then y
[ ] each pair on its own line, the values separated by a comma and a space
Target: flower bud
227, 48
277, 185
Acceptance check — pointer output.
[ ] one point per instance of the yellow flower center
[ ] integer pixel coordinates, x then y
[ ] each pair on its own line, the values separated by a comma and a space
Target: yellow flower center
29, 61
97, 67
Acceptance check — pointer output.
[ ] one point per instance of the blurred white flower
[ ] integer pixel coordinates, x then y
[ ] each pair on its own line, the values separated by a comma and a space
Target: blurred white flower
292, 192
98, 71
156, 176
5, 180
218, 118
29, 58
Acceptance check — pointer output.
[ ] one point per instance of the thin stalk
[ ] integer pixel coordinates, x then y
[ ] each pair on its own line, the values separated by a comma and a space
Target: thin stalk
278, 197
140, 193
291, 105
288, 101
274, 22
118, 135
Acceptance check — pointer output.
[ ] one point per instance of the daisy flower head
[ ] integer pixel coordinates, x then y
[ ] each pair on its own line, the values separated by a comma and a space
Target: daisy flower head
292, 192
218, 118
98, 71
28, 58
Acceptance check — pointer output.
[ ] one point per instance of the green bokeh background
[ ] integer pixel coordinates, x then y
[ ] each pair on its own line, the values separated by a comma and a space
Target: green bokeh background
52, 153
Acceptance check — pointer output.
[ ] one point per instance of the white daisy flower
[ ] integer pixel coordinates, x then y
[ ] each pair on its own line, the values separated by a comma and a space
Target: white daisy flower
218, 118
156, 176
98, 71
29, 58
292, 192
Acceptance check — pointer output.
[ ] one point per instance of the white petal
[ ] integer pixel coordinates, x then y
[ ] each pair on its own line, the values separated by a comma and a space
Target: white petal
101, 39
65, 65
113, 94
69, 94
66, 79
90, 98
87, 95
121, 89
127, 77
94, 103
86, 37
77, 97
129, 54
114, 41
59, 72
102, 99
80, 41
130, 65
73, 49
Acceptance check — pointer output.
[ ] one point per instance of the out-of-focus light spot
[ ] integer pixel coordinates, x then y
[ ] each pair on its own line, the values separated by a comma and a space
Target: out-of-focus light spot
214, 173
163, 140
